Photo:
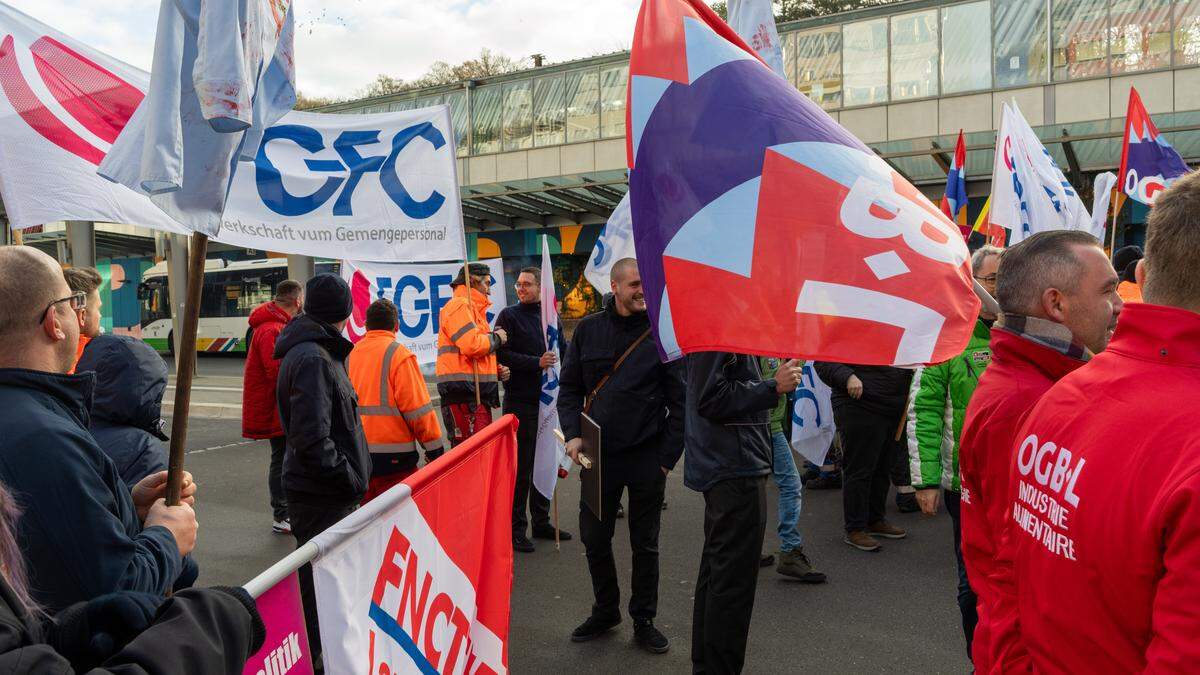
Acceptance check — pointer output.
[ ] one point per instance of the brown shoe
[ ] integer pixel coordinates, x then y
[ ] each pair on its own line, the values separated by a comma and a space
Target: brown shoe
862, 541
887, 530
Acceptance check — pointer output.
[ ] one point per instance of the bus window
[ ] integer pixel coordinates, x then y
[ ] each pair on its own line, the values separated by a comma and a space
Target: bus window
155, 301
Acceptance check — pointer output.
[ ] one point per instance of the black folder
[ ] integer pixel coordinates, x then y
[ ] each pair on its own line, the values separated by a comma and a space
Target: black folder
590, 477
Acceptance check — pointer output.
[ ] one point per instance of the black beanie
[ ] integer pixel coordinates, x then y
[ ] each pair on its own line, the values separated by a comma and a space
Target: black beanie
1126, 255
327, 298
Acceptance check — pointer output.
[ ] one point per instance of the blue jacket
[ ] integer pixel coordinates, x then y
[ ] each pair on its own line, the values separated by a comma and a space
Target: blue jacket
727, 423
80, 531
127, 403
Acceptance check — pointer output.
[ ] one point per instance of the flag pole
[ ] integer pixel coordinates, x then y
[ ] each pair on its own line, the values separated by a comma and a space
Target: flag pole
546, 346
186, 369
1112, 230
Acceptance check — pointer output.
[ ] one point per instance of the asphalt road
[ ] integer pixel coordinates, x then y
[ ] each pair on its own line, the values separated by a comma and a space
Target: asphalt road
892, 611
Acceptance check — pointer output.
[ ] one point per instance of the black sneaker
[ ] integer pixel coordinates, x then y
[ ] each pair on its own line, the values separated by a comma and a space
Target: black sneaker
522, 544
648, 637
620, 511
593, 628
766, 560
664, 506
832, 481
906, 502
547, 532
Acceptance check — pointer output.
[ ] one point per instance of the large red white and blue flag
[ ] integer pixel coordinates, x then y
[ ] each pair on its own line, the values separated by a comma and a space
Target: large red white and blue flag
764, 227
1148, 162
954, 202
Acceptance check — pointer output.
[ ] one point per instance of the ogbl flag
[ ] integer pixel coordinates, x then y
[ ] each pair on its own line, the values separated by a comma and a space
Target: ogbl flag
615, 243
548, 455
812, 417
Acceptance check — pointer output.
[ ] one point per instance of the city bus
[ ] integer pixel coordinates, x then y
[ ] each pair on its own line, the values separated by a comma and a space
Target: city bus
231, 291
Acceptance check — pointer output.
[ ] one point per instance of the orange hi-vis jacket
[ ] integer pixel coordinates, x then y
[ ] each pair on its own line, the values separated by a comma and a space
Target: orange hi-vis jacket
393, 401
467, 346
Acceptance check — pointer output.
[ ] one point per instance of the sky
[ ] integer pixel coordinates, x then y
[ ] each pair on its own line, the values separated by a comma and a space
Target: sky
341, 45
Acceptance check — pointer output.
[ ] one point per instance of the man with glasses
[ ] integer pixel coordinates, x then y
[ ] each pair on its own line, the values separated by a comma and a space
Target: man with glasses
85, 533
937, 407
526, 355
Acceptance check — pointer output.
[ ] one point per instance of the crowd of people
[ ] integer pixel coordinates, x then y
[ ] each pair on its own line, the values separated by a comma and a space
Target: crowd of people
1072, 530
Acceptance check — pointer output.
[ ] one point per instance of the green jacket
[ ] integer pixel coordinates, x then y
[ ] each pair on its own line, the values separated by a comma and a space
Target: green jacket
937, 405
768, 367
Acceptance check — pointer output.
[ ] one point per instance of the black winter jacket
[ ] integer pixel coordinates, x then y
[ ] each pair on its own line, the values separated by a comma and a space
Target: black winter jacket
523, 352
80, 530
327, 460
198, 630
727, 428
643, 401
885, 389
127, 405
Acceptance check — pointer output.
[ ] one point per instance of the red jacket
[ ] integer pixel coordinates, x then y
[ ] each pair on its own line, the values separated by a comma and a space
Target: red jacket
260, 414
1106, 499
1020, 372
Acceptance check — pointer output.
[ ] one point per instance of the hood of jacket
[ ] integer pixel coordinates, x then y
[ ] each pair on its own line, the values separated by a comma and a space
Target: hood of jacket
303, 329
610, 306
131, 379
268, 312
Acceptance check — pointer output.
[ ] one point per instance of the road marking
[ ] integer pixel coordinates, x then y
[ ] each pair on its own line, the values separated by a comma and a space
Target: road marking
203, 388
220, 447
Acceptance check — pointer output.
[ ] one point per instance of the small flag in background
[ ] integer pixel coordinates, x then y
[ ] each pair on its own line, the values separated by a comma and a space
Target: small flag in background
995, 234
1148, 162
954, 202
754, 21
615, 242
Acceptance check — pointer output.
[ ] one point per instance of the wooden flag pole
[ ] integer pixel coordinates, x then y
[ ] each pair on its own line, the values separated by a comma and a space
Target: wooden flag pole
471, 307
1112, 230
186, 369
557, 543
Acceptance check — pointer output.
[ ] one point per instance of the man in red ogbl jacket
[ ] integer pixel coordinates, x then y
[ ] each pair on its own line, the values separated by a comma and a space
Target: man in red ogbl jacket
260, 414
1106, 529
1059, 304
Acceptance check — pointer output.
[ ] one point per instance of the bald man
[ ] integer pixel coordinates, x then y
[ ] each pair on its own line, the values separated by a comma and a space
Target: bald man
84, 533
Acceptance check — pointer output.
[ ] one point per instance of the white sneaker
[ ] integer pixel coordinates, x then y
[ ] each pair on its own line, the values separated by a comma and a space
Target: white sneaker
281, 527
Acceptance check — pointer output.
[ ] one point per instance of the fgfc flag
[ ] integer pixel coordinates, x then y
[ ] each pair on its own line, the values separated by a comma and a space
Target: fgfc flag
548, 454
614, 243
363, 187
419, 579
62, 106
1030, 194
812, 417
419, 291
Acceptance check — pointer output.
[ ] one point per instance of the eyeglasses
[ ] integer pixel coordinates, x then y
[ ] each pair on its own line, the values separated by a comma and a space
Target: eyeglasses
524, 284
77, 299
989, 279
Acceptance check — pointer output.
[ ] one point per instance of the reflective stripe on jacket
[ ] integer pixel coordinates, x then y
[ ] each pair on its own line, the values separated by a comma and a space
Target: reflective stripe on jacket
466, 347
393, 400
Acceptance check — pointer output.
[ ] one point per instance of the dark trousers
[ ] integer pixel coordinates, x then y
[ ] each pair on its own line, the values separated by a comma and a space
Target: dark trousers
868, 454
279, 506
309, 520
901, 472
644, 515
735, 521
966, 597
524, 492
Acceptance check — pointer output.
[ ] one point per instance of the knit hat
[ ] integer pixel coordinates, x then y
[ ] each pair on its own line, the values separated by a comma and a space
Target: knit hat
477, 270
327, 298
1126, 255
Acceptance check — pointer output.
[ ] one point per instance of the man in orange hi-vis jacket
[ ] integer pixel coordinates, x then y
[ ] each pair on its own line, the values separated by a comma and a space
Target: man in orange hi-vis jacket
467, 357
393, 401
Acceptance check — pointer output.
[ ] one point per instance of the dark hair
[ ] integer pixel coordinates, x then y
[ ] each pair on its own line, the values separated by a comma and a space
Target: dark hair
383, 315
535, 271
288, 290
12, 562
478, 271
1044, 260
1172, 238
85, 279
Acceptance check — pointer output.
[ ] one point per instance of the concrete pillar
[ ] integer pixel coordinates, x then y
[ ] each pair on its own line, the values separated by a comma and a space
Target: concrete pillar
6, 237
81, 243
301, 268
176, 250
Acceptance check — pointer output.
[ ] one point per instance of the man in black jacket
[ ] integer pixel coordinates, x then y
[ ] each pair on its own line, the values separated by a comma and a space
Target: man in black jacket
868, 405
640, 411
729, 456
326, 466
85, 532
526, 356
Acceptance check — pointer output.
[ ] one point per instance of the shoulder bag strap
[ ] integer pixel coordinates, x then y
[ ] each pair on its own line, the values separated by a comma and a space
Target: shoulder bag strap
587, 403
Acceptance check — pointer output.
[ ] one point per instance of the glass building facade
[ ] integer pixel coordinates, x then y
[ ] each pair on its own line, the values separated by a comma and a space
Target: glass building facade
905, 52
